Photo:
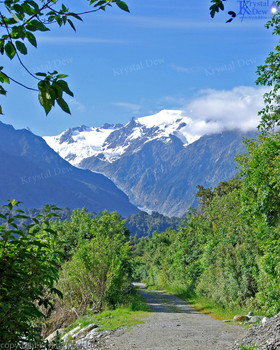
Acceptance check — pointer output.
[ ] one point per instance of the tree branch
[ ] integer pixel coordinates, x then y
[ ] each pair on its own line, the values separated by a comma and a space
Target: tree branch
17, 82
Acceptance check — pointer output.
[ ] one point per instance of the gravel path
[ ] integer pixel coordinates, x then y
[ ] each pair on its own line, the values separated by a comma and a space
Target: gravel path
174, 325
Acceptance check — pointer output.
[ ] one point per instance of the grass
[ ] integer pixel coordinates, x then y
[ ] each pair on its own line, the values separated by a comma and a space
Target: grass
113, 319
131, 313
205, 305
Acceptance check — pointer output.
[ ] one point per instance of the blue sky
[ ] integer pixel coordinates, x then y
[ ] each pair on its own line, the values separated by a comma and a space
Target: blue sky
163, 55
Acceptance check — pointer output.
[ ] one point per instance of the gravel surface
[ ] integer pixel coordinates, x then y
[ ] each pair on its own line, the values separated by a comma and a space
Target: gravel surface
266, 336
174, 325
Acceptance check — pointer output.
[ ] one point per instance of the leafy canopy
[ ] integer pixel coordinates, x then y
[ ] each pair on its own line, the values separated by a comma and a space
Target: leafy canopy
20, 22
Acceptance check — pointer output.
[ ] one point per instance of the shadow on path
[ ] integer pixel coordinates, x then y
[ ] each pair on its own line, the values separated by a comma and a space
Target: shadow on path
174, 325
161, 302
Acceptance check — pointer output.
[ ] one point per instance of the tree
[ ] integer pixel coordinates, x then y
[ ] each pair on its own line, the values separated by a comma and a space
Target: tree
99, 270
21, 20
269, 75
29, 264
260, 186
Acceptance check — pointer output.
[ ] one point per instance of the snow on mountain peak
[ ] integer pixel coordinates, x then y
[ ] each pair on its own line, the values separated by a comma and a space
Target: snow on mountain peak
172, 122
109, 142
78, 143
162, 119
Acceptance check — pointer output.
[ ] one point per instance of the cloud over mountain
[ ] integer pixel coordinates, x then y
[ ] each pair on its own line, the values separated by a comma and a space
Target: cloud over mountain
214, 111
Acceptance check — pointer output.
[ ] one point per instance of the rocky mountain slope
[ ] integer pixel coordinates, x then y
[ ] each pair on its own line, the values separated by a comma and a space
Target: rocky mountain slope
33, 173
157, 160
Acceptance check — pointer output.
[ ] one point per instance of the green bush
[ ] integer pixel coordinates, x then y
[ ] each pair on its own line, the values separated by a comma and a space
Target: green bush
29, 265
98, 273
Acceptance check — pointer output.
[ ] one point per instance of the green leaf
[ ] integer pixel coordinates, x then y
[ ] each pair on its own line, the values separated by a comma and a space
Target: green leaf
44, 101
57, 89
9, 21
31, 38
19, 11
21, 47
36, 221
122, 5
4, 78
1, 112
20, 216
99, 3
37, 25
35, 5
71, 24
75, 16
19, 211
64, 86
61, 76
2, 91
30, 27
64, 8
63, 105
39, 74
221, 6
10, 50
18, 32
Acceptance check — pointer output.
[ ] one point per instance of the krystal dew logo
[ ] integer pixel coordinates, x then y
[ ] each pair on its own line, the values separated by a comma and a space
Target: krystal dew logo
257, 9
33, 179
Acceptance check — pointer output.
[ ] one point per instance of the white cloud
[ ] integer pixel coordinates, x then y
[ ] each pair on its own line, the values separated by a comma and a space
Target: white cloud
134, 108
78, 105
213, 111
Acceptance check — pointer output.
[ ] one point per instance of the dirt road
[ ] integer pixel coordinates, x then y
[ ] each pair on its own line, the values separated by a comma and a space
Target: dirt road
174, 325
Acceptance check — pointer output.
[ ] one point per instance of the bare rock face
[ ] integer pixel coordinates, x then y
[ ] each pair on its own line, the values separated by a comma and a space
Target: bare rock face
266, 336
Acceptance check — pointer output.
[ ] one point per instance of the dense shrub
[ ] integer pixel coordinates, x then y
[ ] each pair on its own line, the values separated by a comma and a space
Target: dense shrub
99, 272
29, 265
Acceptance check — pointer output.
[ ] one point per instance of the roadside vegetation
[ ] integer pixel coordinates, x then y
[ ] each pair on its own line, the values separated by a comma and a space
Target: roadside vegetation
56, 273
228, 249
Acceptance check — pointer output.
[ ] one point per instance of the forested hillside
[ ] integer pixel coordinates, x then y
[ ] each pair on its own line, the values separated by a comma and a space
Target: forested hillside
144, 225
140, 225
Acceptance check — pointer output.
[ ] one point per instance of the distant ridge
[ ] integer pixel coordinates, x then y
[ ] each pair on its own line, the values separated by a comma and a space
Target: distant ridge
36, 175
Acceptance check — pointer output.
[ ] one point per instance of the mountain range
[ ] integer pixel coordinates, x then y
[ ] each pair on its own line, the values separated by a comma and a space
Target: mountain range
156, 160
33, 173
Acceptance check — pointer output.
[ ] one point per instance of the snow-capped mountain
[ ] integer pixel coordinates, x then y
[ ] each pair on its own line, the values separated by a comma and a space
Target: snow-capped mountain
110, 142
157, 160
